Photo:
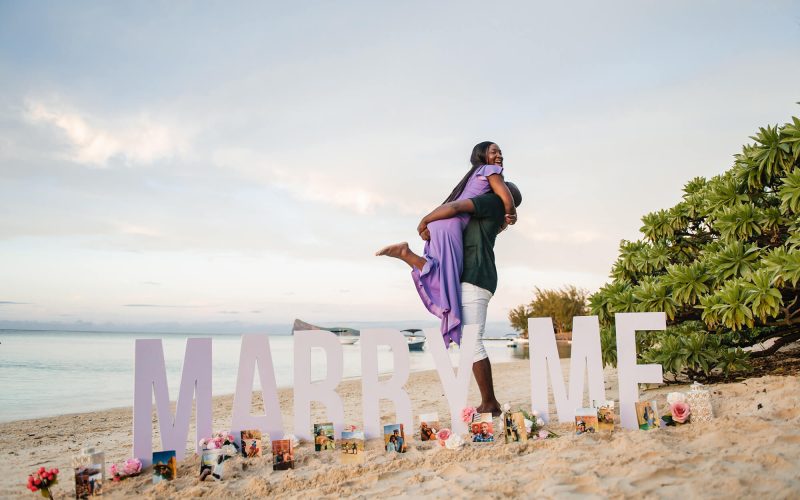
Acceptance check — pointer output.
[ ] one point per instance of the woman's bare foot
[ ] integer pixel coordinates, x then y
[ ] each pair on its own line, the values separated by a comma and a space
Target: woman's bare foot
398, 250
402, 252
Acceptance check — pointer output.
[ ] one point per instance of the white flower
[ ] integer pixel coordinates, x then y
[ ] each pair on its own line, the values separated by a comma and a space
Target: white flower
506, 407
676, 397
539, 422
535, 413
292, 438
454, 442
528, 423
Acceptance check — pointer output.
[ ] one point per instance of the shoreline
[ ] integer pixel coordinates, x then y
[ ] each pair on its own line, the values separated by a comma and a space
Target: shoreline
744, 450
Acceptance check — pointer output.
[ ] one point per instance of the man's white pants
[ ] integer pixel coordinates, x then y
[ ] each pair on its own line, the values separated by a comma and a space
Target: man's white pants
474, 303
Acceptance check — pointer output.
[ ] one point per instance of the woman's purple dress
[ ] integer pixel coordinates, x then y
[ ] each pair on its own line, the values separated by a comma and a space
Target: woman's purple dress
439, 282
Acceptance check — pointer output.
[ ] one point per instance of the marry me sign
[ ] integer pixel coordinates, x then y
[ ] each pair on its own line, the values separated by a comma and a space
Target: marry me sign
150, 380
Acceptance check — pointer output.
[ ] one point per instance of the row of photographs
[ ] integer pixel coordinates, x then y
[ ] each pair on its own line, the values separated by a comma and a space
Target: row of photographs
601, 419
89, 478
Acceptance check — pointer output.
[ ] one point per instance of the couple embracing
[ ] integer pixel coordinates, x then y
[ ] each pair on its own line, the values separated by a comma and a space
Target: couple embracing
456, 276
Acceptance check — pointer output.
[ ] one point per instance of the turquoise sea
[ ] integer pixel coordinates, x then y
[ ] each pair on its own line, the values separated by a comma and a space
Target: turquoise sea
46, 373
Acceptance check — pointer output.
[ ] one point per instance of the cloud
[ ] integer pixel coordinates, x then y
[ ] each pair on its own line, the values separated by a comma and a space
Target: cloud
134, 139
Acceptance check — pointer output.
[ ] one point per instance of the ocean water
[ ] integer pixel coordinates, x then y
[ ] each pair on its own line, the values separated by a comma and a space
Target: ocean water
46, 373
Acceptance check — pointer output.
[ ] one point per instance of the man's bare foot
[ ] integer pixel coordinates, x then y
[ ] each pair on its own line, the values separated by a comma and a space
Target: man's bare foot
494, 409
398, 250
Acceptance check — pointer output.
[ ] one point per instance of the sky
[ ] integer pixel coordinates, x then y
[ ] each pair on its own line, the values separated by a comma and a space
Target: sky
239, 163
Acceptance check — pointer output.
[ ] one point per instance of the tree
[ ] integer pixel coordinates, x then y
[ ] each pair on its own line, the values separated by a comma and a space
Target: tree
723, 263
561, 305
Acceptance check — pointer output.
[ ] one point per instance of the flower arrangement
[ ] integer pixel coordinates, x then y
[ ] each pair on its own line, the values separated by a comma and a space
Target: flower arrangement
680, 411
468, 414
534, 424
42, 481
222, 440
130, 468
443, 435
448, 439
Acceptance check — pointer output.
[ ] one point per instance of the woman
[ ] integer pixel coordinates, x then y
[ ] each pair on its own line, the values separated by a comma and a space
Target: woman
437, 275
392, 444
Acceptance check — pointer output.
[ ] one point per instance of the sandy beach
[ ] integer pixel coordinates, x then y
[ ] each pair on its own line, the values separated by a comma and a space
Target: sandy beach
751, 448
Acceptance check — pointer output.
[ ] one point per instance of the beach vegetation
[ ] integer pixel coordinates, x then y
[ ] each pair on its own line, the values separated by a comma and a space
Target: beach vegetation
723, 264
561, 305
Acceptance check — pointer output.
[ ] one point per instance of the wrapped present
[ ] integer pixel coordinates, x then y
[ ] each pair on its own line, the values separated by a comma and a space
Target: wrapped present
699, 400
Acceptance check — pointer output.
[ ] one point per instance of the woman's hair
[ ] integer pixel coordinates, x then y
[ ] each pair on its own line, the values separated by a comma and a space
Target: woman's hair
477, 159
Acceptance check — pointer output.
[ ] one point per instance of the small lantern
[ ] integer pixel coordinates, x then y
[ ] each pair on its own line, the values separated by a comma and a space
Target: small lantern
699, 400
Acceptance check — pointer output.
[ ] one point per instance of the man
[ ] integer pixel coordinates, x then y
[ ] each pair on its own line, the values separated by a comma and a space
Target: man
479, 276
398, 441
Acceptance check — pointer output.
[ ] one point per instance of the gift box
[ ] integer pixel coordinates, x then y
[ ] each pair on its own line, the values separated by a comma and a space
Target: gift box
699, 400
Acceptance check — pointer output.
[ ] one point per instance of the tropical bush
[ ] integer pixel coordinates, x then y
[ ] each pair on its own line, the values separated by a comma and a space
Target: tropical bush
561, 305
723, 264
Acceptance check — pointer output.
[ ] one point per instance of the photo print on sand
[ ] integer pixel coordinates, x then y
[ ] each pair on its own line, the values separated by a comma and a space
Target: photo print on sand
165, 466
252, 443
351, 447
323, 437
282, 455
89, 480
605, 417
647, 415
211, 465
428, 426
394, 438
586, 421
482, 428
514, 426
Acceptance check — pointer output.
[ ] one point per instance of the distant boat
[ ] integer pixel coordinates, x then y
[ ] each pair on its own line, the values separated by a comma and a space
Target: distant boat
514, 340
341, 331
415, 342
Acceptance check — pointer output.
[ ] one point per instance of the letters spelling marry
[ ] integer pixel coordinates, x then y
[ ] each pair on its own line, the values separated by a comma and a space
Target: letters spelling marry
151, 378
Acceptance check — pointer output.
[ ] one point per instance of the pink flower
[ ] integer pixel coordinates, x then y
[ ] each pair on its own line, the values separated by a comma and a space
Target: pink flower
468, 413
132, 466
543, 434
113, 469
443, 436
680, 412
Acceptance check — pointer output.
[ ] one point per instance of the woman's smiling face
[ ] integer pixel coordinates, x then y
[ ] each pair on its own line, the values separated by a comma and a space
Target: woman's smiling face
494, 156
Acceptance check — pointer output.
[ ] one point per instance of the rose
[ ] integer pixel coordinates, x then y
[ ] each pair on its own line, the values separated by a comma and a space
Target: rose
132, 467
543, 434
443, 435
680, 412
535, 413
453, 442
676, 397
539, 422
468, 413
506, 407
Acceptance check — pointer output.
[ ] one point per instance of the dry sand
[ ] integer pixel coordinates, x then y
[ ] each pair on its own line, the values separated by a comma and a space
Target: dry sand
751, 448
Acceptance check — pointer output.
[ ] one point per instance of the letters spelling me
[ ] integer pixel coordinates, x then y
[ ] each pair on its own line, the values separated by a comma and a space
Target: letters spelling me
151, 379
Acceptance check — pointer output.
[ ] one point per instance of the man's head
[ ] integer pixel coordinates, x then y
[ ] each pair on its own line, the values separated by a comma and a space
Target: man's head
515, 193
484, 428
396, 432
